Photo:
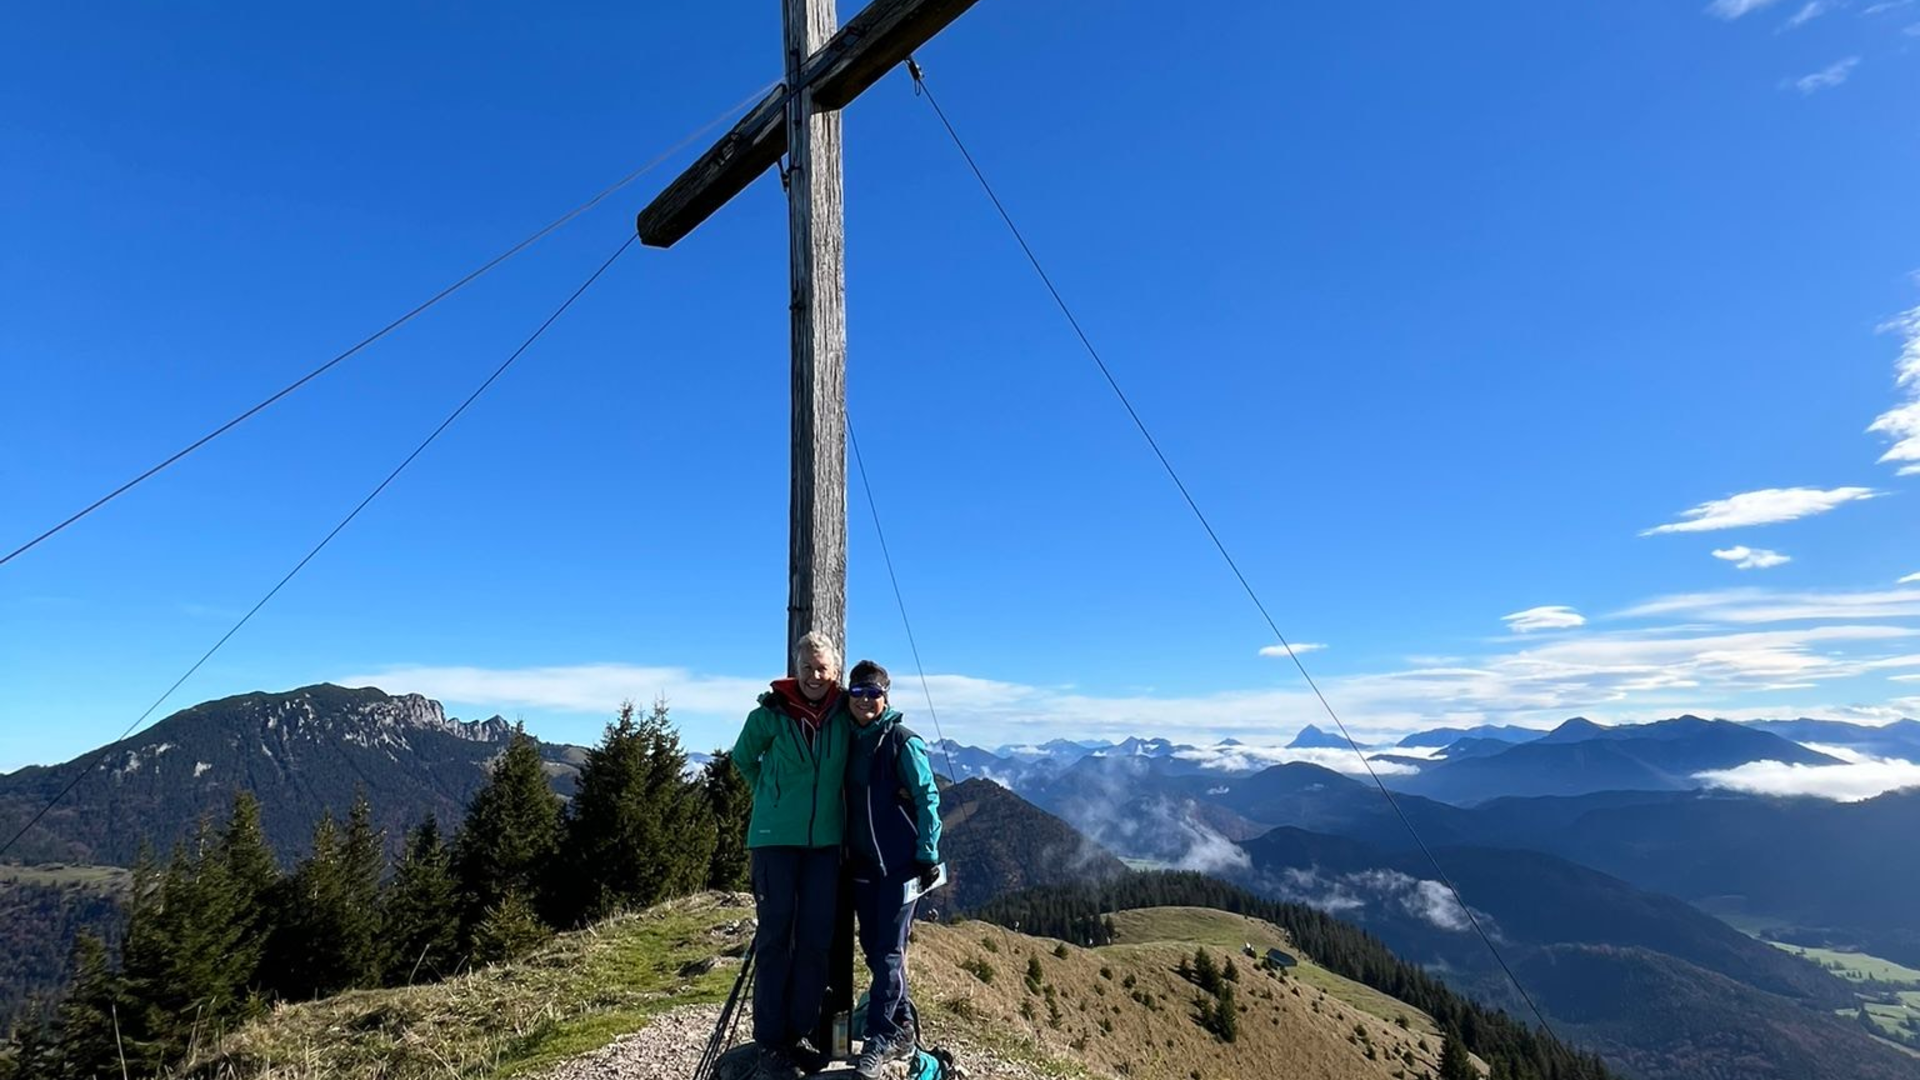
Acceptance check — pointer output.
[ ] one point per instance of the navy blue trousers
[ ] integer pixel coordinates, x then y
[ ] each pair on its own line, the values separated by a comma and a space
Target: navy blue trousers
795, 893
884, 923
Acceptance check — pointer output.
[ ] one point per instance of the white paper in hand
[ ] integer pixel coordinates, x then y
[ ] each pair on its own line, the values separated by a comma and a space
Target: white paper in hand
913, 890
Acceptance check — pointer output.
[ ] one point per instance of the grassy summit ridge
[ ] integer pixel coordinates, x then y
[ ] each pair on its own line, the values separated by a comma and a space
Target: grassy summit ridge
1118, 1010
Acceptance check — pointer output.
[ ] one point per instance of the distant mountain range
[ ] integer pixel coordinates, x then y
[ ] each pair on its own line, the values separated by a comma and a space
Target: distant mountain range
1586, 849
302, 753
1663, 961
1580, 756
1464, 766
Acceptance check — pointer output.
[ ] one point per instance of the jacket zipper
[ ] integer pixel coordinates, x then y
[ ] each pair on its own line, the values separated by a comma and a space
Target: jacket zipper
813, 807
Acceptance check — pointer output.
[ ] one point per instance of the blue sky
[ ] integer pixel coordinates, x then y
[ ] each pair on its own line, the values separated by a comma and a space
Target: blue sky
1477, 329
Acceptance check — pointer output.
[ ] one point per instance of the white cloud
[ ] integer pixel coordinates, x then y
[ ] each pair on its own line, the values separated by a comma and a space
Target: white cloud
1748, 652
1299, 648
587, 688
1746, 558
1733, 9
1827, 77
1902, 422
1851, 782
1811, 11
1910, 579
1384, 890
1752, 605
1242, 758
1764, 507
1555, 617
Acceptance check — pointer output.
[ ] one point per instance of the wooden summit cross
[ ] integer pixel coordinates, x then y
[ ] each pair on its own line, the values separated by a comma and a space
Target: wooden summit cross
825, 70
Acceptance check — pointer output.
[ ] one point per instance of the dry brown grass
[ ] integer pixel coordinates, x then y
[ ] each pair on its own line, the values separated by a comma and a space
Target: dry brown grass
1288, 1027
577, 993
587, 989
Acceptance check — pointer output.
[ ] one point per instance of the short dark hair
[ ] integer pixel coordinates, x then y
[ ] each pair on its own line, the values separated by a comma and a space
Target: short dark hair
866, 671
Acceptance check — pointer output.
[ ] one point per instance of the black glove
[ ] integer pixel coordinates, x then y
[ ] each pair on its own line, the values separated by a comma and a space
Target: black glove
929, 873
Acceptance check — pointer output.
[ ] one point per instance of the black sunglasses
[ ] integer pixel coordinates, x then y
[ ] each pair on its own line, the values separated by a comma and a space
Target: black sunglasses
866, 690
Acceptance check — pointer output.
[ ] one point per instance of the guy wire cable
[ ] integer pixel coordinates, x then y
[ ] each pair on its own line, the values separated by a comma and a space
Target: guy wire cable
920, 88
101, 755
867, 484
397, 323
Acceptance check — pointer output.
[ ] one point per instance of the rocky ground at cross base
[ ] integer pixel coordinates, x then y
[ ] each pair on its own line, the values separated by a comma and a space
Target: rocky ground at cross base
670, 1047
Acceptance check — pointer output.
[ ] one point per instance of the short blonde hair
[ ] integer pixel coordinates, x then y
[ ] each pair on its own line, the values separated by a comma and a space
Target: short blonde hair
814, 642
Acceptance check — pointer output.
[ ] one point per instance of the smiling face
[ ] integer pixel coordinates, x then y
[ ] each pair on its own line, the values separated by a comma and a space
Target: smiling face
817, 672
866, 709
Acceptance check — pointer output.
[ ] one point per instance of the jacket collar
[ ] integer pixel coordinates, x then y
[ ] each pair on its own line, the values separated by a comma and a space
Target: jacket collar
879, 727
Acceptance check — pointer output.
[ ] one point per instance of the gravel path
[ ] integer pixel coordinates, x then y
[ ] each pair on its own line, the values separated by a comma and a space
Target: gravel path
669, 1048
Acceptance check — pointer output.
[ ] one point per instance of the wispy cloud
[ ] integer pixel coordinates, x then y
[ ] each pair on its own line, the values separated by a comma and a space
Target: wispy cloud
1770, 606
1850, 782
1902, 422
1909, 579
1244, 757
1384, 891
1734, 9
1812, 10
1554, 617
1827, 77
1636, 674
583, 688
1746, 558
1767, 506
1300, 648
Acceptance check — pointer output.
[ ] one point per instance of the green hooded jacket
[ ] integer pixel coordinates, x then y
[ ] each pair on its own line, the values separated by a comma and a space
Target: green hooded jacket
798, 790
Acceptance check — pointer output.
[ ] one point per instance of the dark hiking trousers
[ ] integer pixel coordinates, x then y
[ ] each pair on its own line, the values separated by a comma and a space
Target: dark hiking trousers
795, 891
884, 923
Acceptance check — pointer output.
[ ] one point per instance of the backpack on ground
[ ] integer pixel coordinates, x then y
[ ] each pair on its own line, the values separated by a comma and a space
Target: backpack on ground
934, 1064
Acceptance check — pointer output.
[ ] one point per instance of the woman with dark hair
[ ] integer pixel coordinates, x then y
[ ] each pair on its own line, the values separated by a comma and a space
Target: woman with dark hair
893, 839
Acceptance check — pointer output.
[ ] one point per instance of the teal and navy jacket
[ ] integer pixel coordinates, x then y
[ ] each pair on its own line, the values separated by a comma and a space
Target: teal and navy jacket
893, 805
797, 782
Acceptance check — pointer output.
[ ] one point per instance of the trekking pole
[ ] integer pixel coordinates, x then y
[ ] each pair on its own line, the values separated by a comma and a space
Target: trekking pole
723, 1032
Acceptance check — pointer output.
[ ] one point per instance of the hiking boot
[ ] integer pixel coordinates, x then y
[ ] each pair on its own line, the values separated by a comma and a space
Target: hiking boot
809, 1060
776, 1063
875, 1053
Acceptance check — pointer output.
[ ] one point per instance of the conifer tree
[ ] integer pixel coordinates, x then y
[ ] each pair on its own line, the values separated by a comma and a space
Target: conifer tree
1455, 1064
323, 941
180, 971
84, 1021
419, 920
363, 862
1226, 1014
31, 1052
1205, 972
728, 804
690, 828
637, 831
254, 876
508, 842
509, 929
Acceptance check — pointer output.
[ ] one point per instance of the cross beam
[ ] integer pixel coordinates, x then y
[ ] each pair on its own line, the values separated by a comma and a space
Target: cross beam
867, 47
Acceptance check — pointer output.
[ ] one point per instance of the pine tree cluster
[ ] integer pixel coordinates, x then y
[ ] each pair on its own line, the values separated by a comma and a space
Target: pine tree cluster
219, 931
1216, 1010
